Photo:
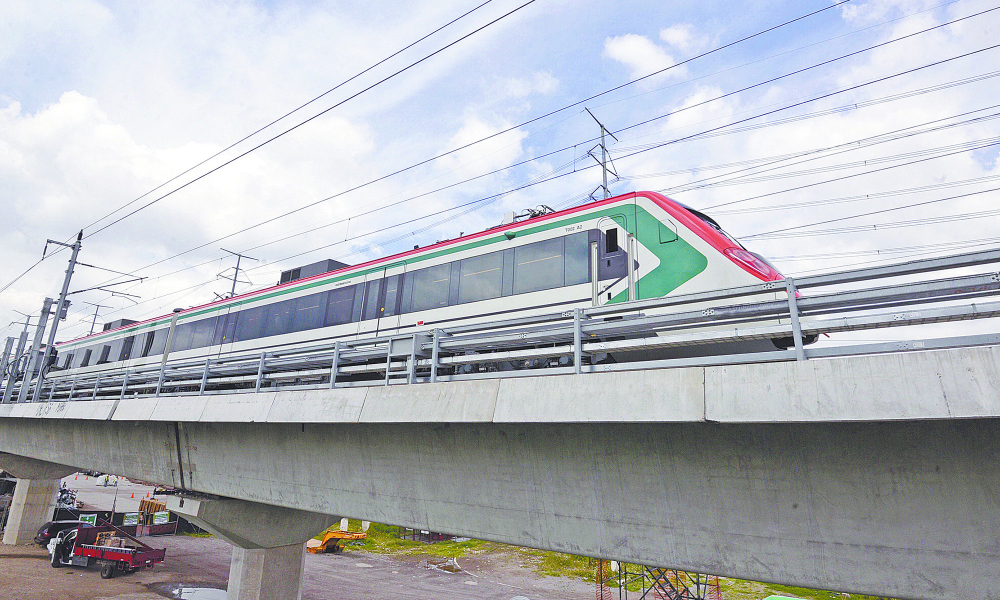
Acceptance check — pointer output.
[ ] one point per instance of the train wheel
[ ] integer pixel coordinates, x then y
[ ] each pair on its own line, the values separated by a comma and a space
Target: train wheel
107, 571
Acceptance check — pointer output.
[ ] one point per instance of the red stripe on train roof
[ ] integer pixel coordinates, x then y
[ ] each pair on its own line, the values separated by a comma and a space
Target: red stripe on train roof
710, 235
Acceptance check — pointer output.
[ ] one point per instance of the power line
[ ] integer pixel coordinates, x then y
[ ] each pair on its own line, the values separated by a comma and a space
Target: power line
512, 128
323, 112
294, 110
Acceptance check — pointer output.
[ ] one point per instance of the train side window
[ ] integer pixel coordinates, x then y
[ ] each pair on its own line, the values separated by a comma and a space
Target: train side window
611, 241
86, 357
225, 327
309, 312
508, 272
430, 287
373, 289
454, 266
359, 299
182, 337
577, 258
340, 306
156, 342
202, 332
538, 266
139, 344
391, 302
126, 351
481, 277
68, 362
105, 352
406, 298
249, 323
279, 318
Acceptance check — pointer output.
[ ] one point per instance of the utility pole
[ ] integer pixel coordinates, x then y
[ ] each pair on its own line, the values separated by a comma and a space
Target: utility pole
21, 341
36, 344
5, 358
60, 309
97, 309
604, 154
236, 273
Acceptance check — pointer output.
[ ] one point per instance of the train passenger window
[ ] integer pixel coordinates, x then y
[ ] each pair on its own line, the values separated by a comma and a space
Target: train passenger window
139, 344
507, 287
279, 318
155, 343
372, 291
86, 357
182, 337
481, 277
115, 351
611, 241
249, 323
359, 301
391, 302
225, 329
203, 332
68, 362
538, 266
309, 312
577, 258
340, 306
430, 287
126, 351
105, 352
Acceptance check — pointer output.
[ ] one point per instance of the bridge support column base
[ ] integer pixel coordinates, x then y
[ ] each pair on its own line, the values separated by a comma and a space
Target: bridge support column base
32, 506
267, 573
269, 543
34, 500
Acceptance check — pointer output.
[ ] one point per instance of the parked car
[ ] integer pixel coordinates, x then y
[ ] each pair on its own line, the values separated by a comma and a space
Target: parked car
52, 529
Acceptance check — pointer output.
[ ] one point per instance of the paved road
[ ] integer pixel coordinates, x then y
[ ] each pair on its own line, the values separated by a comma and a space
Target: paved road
26, 575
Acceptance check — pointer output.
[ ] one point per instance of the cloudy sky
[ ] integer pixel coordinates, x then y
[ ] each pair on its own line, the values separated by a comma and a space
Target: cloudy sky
101, 103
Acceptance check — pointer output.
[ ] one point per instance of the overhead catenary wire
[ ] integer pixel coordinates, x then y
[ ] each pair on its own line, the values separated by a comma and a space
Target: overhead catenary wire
491, 136
312, 118
293, 111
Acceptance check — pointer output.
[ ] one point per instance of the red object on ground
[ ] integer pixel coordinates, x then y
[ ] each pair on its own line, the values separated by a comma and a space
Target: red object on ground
139, 556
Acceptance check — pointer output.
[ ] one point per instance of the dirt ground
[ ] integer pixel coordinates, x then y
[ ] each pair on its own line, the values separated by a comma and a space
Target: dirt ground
25, 574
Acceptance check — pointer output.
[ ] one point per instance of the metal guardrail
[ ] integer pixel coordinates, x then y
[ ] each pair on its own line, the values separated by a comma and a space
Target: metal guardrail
575, 341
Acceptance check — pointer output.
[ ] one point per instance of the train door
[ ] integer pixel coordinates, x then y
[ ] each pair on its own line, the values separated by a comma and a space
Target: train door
371, 303
225, 330
612, 262
392, 288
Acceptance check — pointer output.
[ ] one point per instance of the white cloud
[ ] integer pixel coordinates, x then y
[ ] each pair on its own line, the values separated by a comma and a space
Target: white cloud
540, 82
684, 37
640, 55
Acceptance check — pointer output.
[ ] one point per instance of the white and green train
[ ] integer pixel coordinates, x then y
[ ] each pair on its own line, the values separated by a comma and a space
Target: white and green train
554, 262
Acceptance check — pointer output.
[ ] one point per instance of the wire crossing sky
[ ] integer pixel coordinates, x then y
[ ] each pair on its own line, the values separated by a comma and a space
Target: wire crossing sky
117, 103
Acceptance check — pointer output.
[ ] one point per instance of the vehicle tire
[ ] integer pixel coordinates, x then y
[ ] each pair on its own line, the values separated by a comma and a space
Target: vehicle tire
107, 571
56, 563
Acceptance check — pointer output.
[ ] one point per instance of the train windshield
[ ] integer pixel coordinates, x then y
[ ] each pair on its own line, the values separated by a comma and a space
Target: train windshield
713, 224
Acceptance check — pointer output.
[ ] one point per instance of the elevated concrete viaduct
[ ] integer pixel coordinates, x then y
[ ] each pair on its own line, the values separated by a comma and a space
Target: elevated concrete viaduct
875, 474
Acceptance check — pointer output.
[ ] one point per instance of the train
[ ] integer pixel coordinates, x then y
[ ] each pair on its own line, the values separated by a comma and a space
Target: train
633, 246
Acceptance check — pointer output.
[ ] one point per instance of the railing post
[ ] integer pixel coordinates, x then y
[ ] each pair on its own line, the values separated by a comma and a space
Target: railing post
411, 371
335, 365
159, 380
124, 386
204, 376
793, 311
260, 371
577, 341
434, 355
97, 384
52, 390
72, 388
388, 360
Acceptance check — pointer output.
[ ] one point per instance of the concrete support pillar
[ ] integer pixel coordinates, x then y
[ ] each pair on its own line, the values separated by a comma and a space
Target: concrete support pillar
269, 543
34, 499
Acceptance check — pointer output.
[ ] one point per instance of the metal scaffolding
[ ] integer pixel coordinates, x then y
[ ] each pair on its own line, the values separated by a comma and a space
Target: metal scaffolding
621, 581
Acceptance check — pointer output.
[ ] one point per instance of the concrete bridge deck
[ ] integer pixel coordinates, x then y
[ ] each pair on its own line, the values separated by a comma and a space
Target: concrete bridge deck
873, 474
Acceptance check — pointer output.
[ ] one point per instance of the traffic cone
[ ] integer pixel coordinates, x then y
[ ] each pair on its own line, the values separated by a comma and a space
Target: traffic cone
77, 476
133, 495
86, 478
